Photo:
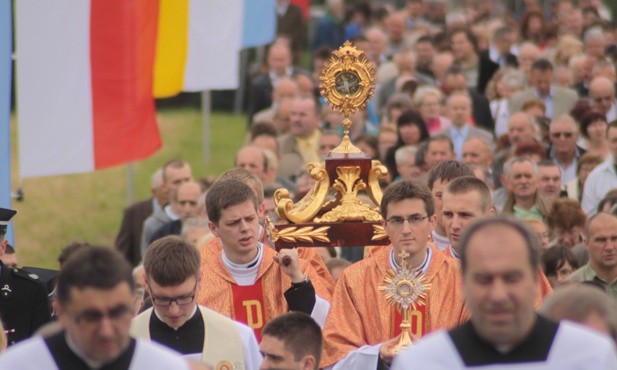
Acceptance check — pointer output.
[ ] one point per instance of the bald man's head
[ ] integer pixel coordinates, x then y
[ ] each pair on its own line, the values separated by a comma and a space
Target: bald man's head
602, 92
520, 128
253, 159
477, 151
286, 89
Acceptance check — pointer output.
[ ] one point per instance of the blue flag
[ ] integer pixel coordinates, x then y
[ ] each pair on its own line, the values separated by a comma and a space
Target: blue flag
6, 31
259, 23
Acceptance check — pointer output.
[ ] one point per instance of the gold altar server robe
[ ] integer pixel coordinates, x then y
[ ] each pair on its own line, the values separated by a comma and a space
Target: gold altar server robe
307, 254
216, 286
360, 315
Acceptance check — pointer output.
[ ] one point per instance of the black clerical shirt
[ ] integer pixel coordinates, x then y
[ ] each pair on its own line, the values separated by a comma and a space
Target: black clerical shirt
66, 359
476, 352
188, 339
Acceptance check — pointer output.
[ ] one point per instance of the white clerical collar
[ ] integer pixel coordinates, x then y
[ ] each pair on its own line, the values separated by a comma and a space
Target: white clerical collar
423, 266
163, 321
442, 242
243, 268
91, 363
245, 273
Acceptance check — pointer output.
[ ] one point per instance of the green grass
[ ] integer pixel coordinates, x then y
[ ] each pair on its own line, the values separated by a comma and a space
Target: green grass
58, 210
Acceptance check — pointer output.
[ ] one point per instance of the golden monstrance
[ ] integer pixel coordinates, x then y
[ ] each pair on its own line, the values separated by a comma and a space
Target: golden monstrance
405, 289
331, 213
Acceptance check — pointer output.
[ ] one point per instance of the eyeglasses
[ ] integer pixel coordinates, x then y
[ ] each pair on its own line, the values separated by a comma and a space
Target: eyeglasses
167, 301
93, 317
557, 135
413, 220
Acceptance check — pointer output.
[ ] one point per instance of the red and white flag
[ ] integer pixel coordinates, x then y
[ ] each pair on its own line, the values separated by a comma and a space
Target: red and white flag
84, 84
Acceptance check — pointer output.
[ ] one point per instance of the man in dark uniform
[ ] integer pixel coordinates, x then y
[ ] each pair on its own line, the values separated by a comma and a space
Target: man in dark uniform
24, 305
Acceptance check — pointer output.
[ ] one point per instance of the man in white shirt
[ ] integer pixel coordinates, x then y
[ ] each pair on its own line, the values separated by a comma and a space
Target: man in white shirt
603, 178
459, 113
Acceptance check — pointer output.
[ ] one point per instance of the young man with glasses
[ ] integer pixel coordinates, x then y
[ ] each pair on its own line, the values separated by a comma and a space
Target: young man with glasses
176, 321
94, 304
362, 328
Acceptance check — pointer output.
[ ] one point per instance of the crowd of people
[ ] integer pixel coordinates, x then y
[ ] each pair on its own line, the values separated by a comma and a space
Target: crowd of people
498, 127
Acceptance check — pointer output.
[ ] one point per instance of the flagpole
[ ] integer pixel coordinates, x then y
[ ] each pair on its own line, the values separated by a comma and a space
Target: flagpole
6, 68
205, 111
240, 91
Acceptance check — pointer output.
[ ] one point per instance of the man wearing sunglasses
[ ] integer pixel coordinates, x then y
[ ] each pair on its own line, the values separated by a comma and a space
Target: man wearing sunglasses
94, 304
362, 328
176, 321
563, 133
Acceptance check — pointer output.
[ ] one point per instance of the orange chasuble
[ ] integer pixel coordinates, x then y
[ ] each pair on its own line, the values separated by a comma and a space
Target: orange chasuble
360, 315
307, 254
254, 305
544, 289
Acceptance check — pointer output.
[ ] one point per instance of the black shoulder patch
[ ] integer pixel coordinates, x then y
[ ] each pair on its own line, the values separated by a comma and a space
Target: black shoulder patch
474, 351
34, 278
